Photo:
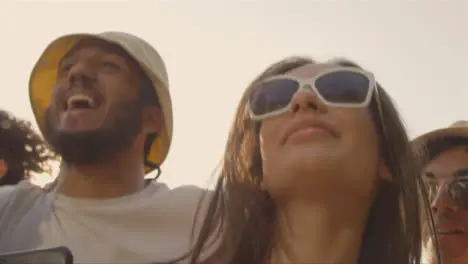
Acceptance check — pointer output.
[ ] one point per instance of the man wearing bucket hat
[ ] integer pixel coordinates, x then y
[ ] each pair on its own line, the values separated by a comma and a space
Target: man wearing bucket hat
445, 153
102, 102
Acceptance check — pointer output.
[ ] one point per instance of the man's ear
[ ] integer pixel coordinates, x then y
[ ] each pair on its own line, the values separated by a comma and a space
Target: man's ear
3, 168
384, 172
152, 119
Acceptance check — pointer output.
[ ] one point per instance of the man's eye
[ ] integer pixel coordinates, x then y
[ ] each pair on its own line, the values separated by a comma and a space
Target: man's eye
109, 64
66, 67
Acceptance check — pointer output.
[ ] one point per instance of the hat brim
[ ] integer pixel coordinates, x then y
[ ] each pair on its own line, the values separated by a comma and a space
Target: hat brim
421, 143
44, 75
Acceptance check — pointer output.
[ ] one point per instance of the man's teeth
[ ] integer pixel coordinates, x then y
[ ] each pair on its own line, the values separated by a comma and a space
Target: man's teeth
80, 100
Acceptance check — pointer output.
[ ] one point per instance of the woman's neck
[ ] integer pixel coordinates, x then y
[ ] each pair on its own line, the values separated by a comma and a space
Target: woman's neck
319, 232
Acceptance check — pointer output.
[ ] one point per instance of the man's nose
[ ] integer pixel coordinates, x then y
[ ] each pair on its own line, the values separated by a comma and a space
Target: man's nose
442, 202
81, 73
305, 100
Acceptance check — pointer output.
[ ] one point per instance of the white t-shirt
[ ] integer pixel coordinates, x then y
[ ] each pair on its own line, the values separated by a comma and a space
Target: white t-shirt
153, 225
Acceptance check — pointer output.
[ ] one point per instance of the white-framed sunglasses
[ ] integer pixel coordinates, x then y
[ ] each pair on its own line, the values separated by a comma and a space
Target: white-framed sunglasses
345, 87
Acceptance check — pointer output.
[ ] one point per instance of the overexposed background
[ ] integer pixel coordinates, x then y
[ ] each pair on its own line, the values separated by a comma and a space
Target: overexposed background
213, 49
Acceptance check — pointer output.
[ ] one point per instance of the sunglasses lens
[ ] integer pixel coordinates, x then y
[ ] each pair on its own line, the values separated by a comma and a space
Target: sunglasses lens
458, 191
272, 96
343, 87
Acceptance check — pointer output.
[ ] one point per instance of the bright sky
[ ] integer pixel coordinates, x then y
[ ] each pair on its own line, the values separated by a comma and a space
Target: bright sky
213, 49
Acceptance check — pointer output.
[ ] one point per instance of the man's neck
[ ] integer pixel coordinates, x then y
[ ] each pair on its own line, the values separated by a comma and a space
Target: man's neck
319, 232
118, 177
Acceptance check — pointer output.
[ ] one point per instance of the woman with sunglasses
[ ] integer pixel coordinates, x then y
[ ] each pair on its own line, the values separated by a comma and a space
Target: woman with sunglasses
22, 151
318, 169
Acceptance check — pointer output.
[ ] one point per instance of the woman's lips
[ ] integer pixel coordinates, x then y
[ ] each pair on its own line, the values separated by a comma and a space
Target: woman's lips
307, 128
308, 133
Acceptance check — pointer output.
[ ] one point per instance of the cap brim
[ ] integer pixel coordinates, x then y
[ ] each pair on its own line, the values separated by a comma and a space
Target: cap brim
43, 78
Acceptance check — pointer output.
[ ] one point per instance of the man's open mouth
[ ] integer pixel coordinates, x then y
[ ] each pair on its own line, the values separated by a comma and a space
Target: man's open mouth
79, 101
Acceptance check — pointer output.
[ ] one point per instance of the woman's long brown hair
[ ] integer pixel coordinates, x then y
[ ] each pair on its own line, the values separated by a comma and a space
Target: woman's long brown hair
246, 215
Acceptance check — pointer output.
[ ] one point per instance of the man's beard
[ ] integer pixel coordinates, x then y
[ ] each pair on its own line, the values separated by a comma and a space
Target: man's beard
96, 146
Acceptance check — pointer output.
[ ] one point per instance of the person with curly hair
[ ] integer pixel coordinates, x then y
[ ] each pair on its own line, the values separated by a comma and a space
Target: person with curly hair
22, 151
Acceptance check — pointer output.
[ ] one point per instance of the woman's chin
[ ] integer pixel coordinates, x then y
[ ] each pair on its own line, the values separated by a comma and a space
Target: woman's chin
310, 157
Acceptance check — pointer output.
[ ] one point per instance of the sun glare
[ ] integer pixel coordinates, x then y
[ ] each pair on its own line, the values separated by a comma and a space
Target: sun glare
44, 178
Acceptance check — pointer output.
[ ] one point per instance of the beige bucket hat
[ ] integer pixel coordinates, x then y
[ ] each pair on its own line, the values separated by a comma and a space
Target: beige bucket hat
458, 129
44, 75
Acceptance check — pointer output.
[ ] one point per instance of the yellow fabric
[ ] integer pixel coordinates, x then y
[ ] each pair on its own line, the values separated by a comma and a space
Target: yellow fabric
43, 79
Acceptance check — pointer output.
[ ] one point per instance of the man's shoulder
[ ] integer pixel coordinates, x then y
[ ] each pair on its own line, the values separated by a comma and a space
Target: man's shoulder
195, 203
183, 194
183, 200
190, 190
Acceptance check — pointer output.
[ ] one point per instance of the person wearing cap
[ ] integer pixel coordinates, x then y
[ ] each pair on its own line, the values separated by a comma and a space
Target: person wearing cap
445, 156
102, 102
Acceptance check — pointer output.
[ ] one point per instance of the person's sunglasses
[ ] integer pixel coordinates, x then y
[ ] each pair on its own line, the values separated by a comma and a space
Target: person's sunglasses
458, 191
342, 87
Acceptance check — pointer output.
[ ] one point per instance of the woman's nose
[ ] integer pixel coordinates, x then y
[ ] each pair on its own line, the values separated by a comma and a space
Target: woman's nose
305, 100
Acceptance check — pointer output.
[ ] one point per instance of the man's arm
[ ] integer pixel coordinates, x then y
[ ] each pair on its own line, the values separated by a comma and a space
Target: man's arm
5, 194
13, 198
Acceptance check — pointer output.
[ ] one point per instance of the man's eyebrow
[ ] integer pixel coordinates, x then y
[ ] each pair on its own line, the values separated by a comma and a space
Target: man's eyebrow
463, 172
65, 57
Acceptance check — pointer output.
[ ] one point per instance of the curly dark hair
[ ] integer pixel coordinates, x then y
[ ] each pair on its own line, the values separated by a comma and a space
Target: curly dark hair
23, 150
